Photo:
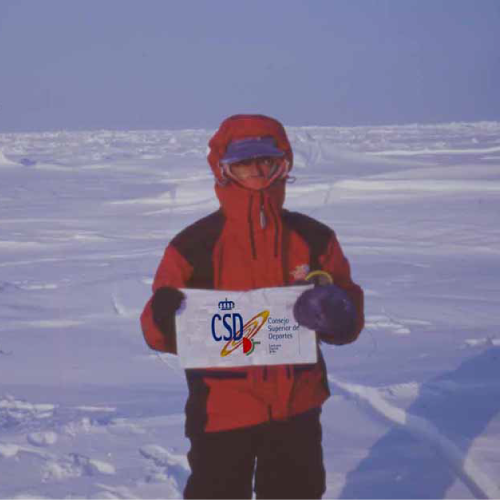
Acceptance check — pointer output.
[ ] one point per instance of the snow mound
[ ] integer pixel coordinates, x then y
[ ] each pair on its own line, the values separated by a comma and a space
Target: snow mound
8, 450
4, 161
42, 438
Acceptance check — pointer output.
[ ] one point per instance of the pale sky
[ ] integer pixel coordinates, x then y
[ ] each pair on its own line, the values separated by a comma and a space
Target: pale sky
130, 64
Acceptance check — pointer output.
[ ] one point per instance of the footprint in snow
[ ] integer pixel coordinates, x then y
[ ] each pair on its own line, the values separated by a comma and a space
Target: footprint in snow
75, 465
168, 466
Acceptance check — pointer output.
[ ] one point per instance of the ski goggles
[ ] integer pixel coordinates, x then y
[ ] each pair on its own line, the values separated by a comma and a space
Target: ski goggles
256, 173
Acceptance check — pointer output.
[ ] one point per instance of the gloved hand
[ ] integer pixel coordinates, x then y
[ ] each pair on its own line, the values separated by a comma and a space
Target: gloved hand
166, 301
329, 311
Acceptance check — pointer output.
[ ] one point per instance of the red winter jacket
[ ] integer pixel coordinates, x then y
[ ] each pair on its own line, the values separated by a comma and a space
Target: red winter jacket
229, 250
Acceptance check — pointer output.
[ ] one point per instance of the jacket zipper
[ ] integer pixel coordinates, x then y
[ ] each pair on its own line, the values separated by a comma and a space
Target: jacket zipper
250, 223
263, 224
262, 214
275, 217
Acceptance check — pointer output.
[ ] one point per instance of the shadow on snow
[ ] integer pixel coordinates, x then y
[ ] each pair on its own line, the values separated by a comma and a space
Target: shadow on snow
460, 405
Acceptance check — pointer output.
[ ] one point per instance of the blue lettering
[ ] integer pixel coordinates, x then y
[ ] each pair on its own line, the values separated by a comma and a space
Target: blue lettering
227, 326
236, 330
216, 316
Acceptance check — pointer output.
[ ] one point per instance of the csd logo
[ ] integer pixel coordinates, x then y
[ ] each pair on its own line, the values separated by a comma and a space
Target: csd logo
232, 323
236, 333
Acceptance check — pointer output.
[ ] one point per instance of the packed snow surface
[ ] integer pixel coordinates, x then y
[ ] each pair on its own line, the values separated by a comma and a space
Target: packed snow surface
88, 411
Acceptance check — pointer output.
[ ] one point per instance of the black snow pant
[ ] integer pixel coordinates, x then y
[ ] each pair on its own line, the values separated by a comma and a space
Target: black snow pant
286, 456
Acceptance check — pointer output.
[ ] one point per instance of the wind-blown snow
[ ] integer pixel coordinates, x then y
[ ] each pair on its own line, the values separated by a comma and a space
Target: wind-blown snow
88, 411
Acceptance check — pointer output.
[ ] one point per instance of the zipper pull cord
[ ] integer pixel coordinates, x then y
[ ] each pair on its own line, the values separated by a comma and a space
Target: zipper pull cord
263, 219
250, 227
276, 231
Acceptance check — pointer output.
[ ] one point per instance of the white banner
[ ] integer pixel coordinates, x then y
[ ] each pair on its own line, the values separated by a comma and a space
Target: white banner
224, 329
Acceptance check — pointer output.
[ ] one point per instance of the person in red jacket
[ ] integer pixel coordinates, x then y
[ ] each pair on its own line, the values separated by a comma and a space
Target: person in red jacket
258, 420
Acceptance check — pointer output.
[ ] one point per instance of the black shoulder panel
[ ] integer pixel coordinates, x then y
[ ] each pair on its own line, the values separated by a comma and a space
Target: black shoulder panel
196, 244
314, 233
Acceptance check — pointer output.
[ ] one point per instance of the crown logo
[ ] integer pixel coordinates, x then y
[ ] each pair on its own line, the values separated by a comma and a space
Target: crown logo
226, 305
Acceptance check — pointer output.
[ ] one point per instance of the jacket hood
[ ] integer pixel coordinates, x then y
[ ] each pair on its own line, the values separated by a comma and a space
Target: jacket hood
243, 127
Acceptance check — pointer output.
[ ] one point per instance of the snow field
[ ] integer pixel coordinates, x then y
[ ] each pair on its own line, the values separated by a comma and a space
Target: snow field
87, 410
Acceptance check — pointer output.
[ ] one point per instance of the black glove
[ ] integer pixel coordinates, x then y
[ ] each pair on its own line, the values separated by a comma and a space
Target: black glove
329, 311
166, 301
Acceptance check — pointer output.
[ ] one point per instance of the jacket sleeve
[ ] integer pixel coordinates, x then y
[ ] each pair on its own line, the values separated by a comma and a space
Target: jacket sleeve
334, 262
173, 271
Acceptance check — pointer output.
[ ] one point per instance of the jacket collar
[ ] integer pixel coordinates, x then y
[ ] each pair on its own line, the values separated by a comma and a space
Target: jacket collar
241, 205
